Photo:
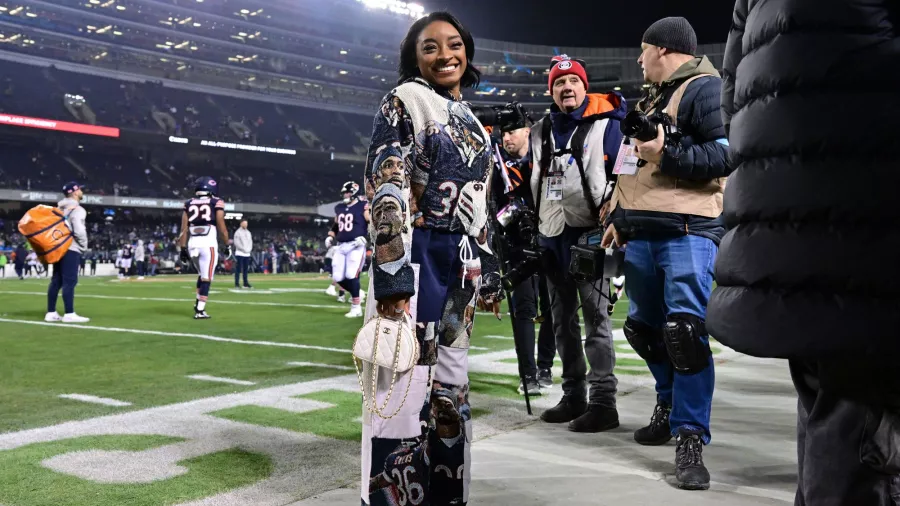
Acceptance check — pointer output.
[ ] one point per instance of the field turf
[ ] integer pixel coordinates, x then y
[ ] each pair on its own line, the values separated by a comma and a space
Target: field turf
272, 365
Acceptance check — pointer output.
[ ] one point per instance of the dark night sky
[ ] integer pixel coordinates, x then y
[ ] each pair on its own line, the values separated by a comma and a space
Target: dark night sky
583, 23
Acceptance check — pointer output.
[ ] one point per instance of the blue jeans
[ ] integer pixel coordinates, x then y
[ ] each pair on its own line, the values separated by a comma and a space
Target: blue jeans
65, 277
665, 277
242, 266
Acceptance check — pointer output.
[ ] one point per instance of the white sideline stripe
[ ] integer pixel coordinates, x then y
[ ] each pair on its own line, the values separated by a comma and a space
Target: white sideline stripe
327, 366
162, 299
178, 334
95, 400
505, 338
217, 379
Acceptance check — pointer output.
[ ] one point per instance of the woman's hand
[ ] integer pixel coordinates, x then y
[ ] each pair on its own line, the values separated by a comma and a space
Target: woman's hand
393, 308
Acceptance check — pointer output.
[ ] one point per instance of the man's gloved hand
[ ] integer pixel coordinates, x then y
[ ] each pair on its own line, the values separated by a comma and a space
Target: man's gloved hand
185, 256
329, 241
490, 294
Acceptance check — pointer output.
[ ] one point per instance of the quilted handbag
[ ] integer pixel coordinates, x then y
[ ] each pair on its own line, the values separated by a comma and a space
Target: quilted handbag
385, 343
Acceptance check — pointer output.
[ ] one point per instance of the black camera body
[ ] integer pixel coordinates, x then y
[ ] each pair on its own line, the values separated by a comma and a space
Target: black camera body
644, 128
519, 225
591, 262
510, 116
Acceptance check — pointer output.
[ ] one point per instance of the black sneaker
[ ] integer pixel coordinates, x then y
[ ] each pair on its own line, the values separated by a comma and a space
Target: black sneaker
545, 378
658, 432
201, 315
248, 286
596, 419
690, 472
568, 409
533, 387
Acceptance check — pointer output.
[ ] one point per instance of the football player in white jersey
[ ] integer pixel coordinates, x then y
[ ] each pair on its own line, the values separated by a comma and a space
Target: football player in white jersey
203, 216
126, 254
351, 218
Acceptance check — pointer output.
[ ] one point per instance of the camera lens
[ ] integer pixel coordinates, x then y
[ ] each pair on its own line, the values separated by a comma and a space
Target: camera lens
638, 125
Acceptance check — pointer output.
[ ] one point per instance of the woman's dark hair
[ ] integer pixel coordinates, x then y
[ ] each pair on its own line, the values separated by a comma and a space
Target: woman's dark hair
409, 65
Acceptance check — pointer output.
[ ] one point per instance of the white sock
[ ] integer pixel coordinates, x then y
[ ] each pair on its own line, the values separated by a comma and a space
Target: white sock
201, 305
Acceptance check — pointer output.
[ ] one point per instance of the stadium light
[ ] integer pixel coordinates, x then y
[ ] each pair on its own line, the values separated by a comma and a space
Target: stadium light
412, 10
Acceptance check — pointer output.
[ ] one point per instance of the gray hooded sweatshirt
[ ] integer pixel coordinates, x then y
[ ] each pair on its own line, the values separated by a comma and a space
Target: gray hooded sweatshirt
76, 216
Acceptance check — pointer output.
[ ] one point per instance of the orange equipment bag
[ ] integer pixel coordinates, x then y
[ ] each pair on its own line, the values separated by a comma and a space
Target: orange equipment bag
48, 233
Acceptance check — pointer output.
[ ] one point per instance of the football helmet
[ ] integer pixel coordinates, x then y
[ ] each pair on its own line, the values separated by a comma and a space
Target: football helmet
206, 185
351, 188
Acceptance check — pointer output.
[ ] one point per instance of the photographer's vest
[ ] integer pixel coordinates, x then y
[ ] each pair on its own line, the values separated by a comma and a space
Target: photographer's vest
652, 190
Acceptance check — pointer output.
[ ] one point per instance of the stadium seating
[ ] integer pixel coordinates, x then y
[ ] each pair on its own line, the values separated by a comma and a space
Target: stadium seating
130, 175
130, 105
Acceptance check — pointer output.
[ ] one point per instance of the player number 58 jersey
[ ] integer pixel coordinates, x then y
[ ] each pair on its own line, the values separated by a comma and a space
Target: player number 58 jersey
201, 214
351, 220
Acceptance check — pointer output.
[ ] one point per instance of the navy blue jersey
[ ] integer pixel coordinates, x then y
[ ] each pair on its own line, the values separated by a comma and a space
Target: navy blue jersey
202, 210
351, 220
127, 251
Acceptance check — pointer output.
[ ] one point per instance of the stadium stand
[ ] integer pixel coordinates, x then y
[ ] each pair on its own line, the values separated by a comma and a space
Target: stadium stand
231, 71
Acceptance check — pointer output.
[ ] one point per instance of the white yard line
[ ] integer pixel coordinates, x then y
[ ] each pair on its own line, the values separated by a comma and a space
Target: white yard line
178, 334
326, 366
217, 379
95, 400
163, 299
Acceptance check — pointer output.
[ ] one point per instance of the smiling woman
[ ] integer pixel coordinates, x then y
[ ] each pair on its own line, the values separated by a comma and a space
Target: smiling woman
427, 177
440, 50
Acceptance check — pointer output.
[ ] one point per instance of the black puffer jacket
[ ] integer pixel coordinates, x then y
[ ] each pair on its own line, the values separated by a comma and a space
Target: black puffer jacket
810, 266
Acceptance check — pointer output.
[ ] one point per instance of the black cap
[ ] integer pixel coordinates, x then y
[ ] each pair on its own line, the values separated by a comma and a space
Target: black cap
520, 122
673, 33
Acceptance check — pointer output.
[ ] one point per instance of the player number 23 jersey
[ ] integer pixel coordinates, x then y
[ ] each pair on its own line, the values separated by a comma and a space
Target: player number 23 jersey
201, 214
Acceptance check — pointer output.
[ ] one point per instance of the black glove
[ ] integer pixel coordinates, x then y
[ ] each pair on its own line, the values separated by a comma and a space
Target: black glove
185, 256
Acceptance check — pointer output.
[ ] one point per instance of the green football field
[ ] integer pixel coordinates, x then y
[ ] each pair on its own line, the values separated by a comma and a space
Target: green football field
163, 409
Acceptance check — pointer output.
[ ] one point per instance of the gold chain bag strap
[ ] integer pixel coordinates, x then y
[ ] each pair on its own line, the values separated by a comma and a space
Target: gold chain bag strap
385, 343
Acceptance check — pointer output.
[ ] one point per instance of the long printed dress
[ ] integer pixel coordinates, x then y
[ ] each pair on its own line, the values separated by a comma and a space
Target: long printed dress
427, 178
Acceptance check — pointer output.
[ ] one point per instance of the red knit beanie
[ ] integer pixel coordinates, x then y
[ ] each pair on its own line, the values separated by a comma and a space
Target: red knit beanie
562, 66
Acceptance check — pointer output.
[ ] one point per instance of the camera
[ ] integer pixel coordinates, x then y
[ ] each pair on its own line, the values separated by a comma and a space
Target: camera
591, 262
519, 226
642, 127
511, 115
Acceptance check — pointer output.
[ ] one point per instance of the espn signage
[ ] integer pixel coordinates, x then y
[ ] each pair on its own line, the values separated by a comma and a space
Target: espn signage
60, 126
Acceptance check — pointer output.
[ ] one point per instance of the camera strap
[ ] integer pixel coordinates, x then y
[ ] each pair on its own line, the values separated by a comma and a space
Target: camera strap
576, 141
577, 144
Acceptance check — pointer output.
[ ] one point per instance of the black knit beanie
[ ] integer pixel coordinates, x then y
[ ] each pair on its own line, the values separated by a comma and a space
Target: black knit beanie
673, 33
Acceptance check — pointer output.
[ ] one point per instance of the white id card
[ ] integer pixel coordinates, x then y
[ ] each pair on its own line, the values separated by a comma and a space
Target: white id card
626, 161
554, 188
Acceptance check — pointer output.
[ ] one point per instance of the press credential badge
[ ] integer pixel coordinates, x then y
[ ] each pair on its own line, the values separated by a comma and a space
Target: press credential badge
554, 187
626, 160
